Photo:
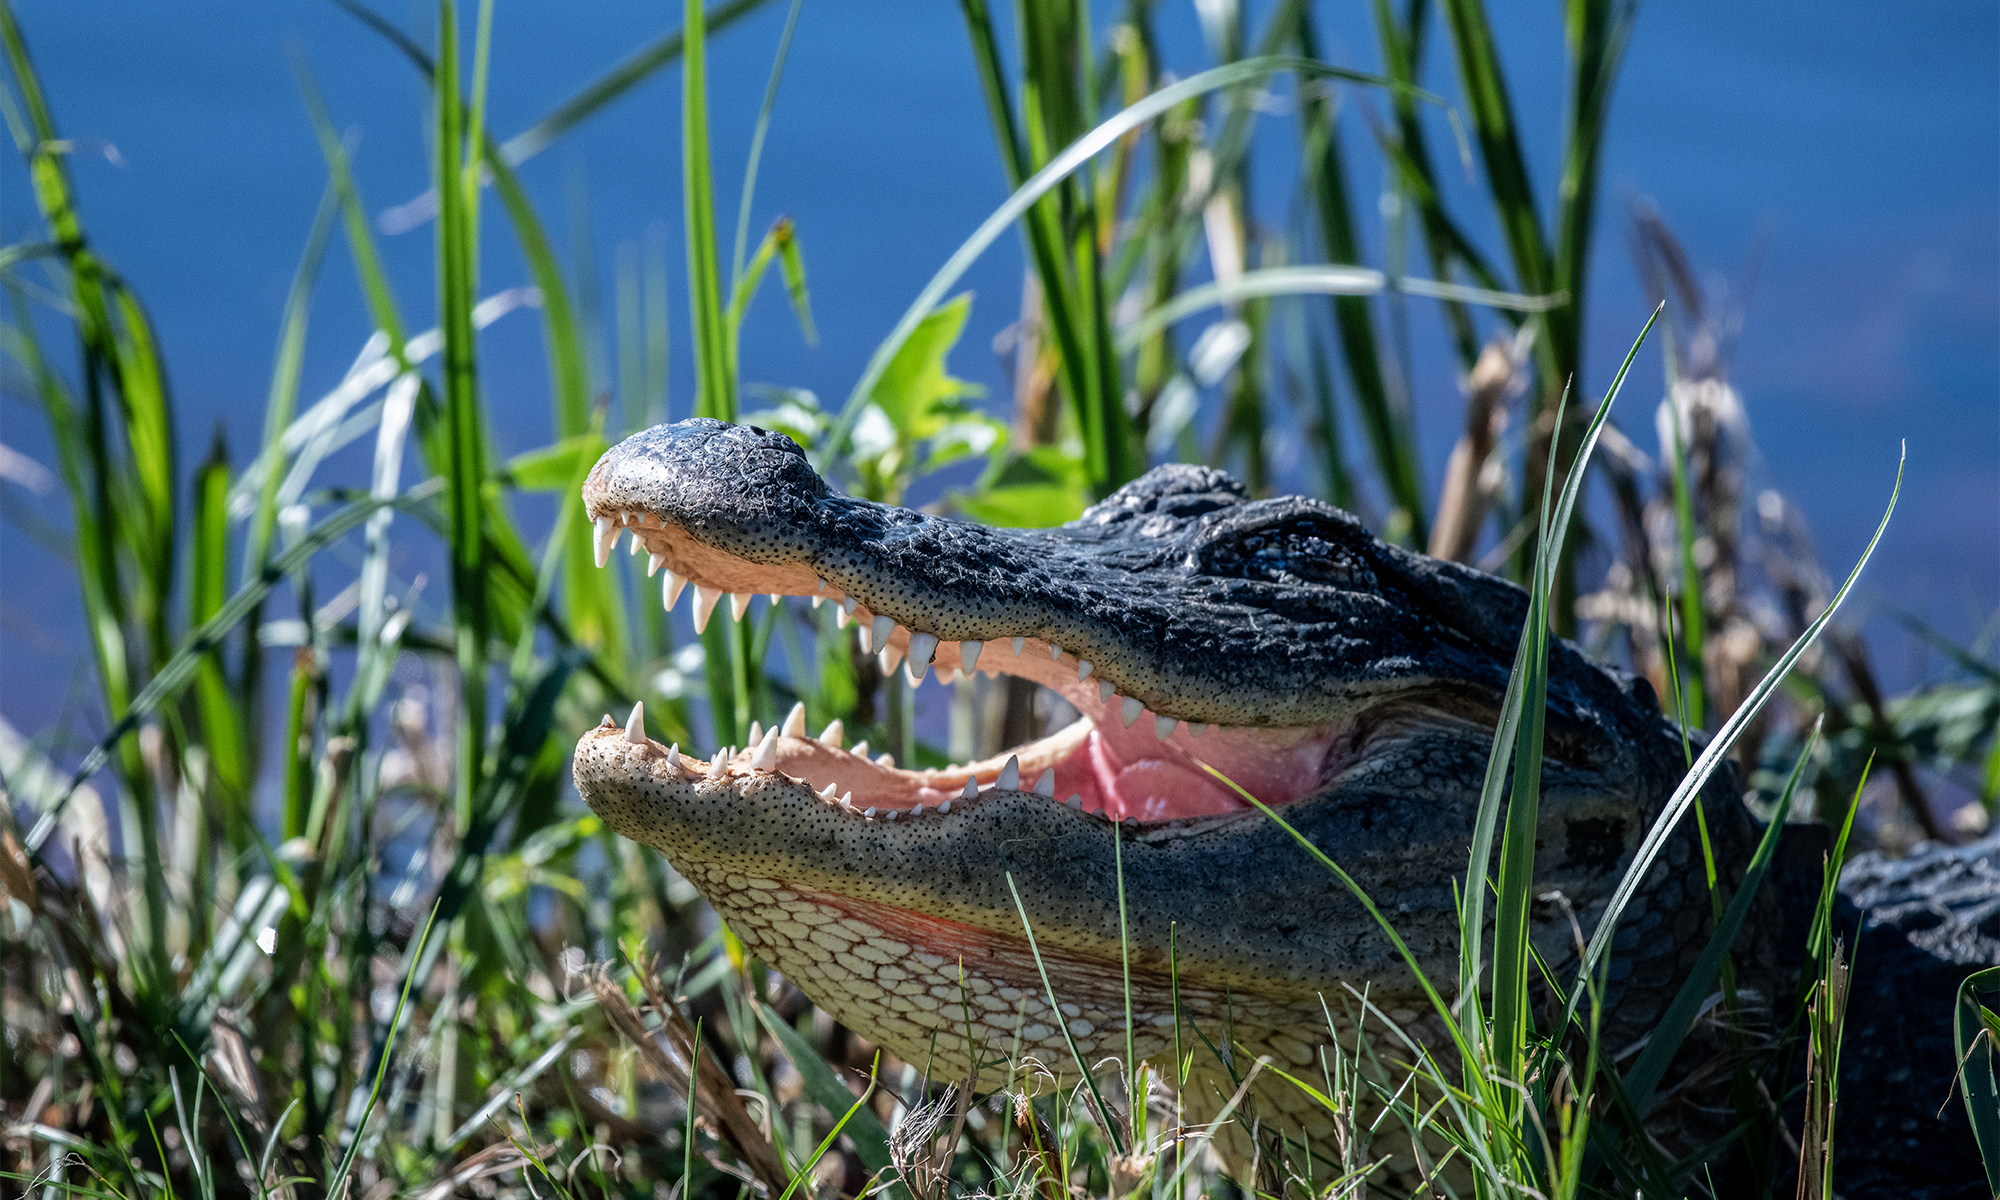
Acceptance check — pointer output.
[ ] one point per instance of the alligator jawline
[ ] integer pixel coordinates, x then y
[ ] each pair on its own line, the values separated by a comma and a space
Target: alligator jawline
1119, 760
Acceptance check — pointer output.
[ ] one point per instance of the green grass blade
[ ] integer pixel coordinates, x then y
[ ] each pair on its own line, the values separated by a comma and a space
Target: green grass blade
1598, 32
596, 608
281, 402
338, 1178
1041, 222
782, 244
864, 1128
223, 731
715, 394
463, 430
1408, 152
1711, 756
1312, 281
757, 140
1055, 1008
1438, 1004
1973, 1040
1391, 433
613, 84
1513, 950
1686, 660
1507, 179
360, 235
1672, 1029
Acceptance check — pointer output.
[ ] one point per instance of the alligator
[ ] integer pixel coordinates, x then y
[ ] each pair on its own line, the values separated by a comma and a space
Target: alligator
983, 919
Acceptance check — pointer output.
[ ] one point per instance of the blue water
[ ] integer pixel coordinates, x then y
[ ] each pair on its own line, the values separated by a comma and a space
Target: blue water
1865, 147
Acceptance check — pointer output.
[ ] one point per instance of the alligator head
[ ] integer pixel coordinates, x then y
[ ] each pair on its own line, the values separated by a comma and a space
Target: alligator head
1350, 686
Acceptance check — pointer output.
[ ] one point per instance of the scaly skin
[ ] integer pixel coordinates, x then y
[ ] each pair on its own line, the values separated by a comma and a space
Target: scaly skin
1350, 683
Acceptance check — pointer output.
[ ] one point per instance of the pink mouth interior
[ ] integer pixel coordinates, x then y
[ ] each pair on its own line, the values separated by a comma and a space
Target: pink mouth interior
1130, 773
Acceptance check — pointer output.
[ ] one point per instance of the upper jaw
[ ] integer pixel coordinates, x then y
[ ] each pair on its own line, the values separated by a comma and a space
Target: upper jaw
1147, 596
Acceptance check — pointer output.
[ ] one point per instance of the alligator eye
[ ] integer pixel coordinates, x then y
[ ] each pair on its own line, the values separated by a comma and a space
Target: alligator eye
1300, 549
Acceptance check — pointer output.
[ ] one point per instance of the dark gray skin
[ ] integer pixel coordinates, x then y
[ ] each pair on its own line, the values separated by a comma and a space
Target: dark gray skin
1207, 607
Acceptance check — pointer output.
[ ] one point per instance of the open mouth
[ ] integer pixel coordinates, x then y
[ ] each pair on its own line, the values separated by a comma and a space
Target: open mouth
1119, 760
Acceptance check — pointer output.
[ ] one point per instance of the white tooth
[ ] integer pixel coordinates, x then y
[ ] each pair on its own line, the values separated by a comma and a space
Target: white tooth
888, 659
944, 808
1046, 785
840, 618
882, 628
674, 756
847, 605
1163, 727
756, 733
860, 749
1082, 670
822, 582
871, 809
1018, 643
922, 647
704, 605
1197, 728
918, 811
1131, 710
1055, 652
638, 543
826, 793
916, 671
847, 799
890, 815
1104, 690
607, 533
1010, 775
834, 732
971, 789
885, 759
654, 561
777, 598
766, 757
720, 767
670, 588
635, 725
864, 636
795, 721
1075, 801
739, 603
968, 655
816, 600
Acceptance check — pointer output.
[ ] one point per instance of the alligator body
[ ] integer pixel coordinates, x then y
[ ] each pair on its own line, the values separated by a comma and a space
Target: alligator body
1349, 685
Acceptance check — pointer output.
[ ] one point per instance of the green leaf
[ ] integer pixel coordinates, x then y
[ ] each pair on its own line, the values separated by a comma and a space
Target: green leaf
915, 384
552, 468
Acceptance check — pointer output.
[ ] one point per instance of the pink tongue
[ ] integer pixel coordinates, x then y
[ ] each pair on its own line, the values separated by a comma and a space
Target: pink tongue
1136, 775
1160, 791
